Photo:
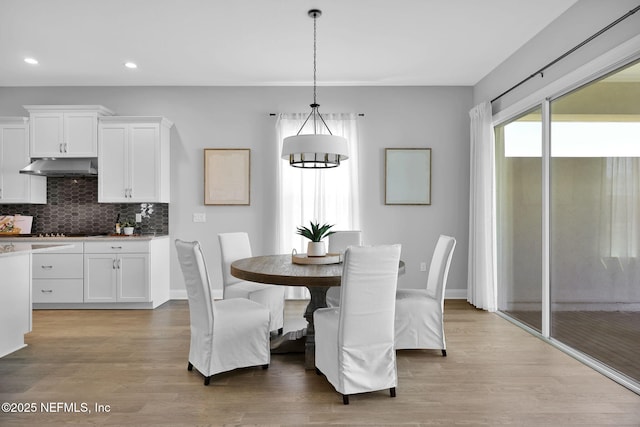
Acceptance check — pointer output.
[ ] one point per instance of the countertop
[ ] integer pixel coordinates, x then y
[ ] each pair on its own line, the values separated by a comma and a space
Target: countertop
97, 238
19, 248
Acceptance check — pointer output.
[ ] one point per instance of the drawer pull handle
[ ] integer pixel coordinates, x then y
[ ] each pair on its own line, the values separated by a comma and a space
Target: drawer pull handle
114, 264
47, 267
46, 291
116, 247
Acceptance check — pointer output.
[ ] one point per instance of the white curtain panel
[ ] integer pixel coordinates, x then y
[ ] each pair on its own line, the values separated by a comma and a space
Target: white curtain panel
481, 286
323, 195
620, 208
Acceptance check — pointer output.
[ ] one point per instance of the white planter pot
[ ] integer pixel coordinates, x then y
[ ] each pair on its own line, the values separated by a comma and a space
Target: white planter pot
316, 249
128, 231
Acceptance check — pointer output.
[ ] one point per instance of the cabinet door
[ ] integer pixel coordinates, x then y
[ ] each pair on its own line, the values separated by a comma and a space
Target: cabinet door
113, 157
100, 278
144, 141
80, 134
46, 134
14, 155
133, 278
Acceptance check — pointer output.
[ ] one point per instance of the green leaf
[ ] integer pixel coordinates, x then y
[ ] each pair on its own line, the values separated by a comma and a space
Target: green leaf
317, 231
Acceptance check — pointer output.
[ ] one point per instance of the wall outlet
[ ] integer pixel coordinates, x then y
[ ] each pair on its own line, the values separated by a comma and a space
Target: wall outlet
138, 217
200, 217
423, 266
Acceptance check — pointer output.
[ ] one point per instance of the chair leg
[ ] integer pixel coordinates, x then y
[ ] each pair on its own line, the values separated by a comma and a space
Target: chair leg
444, 352
206, 380
345, 399
392, 391
265, 366
189, 367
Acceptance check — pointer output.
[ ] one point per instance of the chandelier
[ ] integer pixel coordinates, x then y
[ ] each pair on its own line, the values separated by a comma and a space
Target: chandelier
315, 151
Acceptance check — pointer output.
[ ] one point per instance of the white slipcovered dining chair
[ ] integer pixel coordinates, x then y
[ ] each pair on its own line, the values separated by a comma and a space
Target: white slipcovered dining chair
420, 312
339, 241
235, 246
354, 345
226, 334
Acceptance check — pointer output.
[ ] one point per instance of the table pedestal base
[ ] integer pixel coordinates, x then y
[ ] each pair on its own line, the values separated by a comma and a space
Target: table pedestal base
303, 340
290, 342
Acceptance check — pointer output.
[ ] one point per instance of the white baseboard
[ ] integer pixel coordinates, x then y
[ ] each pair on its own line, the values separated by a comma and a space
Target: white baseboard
217, 294
455, 294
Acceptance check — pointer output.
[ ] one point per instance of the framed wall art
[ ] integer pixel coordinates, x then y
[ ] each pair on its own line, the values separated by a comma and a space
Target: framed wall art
227, 176
407, 176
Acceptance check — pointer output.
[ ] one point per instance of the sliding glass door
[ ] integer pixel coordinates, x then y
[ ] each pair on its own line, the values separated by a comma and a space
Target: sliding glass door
594, 221
519, 217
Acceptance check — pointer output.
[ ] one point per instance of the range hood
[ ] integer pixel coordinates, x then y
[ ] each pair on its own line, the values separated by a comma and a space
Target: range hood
62, 167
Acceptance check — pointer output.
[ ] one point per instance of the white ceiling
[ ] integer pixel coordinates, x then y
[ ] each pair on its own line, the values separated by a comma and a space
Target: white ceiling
263, 42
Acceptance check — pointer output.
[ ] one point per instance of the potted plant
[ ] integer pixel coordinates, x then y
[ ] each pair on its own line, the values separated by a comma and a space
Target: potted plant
316, 233
127, 227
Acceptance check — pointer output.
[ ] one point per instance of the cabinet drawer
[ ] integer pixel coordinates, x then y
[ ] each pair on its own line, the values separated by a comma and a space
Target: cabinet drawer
116, 247
57, 290
58, 266
76, 247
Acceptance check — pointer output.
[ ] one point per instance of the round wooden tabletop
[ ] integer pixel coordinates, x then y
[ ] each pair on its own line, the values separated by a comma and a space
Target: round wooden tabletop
279, 270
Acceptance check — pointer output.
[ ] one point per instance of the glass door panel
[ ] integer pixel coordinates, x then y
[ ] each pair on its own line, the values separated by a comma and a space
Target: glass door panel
519, 218
595, 220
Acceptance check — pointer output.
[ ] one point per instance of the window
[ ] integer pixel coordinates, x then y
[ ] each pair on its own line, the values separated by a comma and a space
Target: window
323, 195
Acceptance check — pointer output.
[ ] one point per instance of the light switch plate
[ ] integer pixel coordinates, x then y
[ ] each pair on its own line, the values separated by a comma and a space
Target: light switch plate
138, 217
200, 217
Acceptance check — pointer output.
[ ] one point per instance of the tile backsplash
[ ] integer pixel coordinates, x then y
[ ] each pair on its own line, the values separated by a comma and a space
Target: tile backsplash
72, 208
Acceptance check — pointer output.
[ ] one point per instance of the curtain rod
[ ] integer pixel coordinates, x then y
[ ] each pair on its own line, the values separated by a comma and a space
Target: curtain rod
569, 52
275, 114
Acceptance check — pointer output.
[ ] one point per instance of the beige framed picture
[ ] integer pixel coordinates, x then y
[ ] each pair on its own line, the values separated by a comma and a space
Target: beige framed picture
227, 176
407, 176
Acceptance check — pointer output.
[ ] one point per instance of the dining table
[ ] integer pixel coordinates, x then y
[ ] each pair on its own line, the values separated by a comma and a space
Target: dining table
281, 270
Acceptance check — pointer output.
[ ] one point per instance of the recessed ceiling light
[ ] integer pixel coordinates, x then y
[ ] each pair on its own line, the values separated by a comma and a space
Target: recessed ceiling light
31, 61
131, 65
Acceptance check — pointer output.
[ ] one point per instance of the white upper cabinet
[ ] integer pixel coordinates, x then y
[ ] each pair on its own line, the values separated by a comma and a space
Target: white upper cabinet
14, 155
65, 130
133, 159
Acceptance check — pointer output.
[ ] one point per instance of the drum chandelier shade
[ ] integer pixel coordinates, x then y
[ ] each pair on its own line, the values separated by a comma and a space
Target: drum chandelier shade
315, 151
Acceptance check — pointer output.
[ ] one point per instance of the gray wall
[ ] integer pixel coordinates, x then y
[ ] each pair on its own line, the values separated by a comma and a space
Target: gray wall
579, 22
216, 117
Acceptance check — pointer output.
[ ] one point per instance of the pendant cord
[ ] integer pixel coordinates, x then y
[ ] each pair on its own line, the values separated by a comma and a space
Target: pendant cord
314, 106
314, 59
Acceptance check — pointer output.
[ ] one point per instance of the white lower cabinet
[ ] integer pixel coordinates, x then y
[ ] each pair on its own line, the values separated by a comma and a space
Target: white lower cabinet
57, 276
102, 274
116, 272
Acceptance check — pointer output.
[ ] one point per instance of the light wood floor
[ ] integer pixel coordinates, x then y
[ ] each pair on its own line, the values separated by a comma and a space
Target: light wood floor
612, 337
135, 361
